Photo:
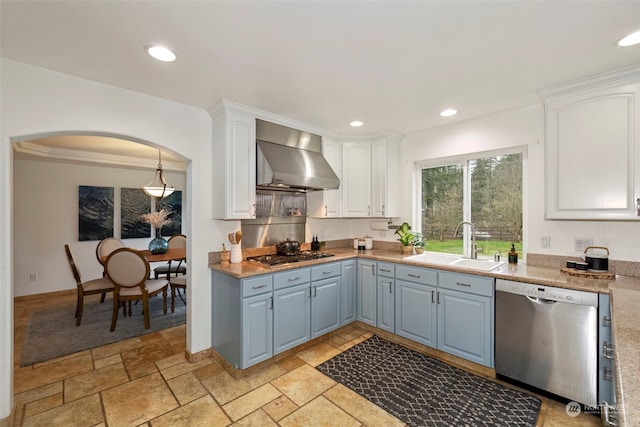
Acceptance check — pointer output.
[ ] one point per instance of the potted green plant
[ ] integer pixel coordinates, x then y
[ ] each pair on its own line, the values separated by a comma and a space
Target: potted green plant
419, 243
407, 238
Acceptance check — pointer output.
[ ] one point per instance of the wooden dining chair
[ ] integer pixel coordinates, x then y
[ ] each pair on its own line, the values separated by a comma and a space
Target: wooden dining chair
101, 285
174, 267
105, 247
177, 283
129, 270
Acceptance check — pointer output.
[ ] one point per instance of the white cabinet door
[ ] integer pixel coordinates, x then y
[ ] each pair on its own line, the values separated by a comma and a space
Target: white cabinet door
234, 165
593, 149
356, 174
328, 203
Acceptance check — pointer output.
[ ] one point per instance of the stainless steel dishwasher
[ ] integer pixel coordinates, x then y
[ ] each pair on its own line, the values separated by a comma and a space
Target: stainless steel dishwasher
548, 338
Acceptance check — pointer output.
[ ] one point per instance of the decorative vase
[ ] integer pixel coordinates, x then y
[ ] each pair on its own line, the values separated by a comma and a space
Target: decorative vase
158, 245
407, 250
419, 250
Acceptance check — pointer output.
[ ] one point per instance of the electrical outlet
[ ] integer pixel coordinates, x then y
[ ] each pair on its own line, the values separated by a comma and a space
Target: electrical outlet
545, 242
580, 243
33, 277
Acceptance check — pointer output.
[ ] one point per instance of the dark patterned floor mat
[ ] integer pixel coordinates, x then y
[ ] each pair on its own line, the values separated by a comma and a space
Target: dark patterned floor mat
422, 391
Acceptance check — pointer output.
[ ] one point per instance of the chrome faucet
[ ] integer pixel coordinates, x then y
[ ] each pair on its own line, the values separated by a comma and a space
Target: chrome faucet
474, 250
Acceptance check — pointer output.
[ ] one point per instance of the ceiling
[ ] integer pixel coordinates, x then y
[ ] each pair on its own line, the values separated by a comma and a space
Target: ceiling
392, 64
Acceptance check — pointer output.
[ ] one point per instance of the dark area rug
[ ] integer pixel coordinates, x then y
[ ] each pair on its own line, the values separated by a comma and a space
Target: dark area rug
53, 333
422, 391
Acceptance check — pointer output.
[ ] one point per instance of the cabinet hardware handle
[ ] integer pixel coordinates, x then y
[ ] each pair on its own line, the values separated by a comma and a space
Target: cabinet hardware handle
390, 287
253, 214
432, 297
373, 270
386, 271
607, 350
417, 276
608, 414
326, 210
309, 292
607, 374
315, 291
369, 210
438, 297
383, 211
293, 279
463, 284
327, 272
606, 321
271, 305
259, 286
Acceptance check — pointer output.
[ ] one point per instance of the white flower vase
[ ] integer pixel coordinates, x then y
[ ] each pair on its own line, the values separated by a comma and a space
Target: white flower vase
236, 254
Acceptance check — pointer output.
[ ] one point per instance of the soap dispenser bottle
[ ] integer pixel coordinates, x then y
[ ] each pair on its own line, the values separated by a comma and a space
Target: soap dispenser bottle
513, 255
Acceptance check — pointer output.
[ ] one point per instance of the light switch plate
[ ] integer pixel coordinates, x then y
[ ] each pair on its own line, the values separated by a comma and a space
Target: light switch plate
545, 242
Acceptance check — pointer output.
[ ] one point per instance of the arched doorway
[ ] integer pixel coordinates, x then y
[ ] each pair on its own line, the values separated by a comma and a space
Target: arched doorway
47, 170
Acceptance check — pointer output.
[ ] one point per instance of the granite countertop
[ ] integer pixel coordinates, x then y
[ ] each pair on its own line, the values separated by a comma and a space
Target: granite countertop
625, 306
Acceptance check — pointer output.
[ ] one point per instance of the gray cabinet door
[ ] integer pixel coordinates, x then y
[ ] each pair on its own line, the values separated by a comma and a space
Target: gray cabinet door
367, 294
465, 326
386, 304
325, 306
348, 310
291, 317
416, 317
257, 327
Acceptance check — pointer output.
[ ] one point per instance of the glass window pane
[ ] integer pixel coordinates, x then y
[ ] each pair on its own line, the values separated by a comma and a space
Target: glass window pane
441, 207
496, 203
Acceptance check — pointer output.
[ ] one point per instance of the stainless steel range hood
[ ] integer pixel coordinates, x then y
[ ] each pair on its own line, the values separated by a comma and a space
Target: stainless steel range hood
291, 159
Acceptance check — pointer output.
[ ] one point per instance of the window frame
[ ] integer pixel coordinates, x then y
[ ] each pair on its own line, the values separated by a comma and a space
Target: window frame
464, 160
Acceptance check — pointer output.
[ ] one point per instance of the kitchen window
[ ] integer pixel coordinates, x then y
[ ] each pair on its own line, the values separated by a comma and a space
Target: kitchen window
483, 188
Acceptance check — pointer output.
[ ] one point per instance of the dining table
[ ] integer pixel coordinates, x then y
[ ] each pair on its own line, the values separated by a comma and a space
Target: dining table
172, 254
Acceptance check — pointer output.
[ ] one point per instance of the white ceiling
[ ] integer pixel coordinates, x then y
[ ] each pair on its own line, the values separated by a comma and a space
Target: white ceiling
393, 64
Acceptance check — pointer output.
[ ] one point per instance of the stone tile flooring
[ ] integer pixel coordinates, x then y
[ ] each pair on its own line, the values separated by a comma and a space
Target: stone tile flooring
146, 381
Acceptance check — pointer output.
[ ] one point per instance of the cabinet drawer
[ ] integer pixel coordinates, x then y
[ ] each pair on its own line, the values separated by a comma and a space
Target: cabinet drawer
417, 274
386, 269
291, 278
467, 283
325, 271
257, 285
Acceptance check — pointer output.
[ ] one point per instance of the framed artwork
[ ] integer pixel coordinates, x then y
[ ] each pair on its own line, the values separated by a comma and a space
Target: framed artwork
95, 212
134, 203
173, 204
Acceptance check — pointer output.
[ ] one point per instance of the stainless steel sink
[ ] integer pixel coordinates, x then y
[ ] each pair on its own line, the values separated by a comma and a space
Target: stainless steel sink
455, 260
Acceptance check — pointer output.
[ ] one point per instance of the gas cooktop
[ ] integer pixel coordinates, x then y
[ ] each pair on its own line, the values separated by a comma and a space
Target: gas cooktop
272, 260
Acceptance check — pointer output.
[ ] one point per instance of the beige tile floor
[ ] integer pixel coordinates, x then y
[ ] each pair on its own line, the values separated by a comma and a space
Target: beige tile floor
146, 381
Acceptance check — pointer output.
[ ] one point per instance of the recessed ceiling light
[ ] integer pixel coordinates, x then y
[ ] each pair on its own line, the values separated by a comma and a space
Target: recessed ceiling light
630, 40
449, 112
356, 123
161, 53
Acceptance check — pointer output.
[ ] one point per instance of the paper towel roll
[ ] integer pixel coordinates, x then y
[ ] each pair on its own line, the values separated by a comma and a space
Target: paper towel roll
379, 225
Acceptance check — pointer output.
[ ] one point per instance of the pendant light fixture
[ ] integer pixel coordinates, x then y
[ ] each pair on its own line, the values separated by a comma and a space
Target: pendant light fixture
158, 187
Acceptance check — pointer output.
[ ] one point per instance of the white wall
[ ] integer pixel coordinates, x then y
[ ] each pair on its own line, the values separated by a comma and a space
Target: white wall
35, 101
45, 218
520, 127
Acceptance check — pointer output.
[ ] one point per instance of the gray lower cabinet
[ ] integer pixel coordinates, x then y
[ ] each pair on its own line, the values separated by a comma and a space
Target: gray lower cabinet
465, 316
242, 318
325, 306
291, 309
348, 302
367, 291
416, 315
386, 308
606, 386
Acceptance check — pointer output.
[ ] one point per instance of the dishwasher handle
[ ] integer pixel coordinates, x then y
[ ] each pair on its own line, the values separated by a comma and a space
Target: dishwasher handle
537, 300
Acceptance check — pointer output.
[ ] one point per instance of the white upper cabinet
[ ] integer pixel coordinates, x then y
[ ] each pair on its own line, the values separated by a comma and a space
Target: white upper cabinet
234, 163
592, 131
370, 172
328, 203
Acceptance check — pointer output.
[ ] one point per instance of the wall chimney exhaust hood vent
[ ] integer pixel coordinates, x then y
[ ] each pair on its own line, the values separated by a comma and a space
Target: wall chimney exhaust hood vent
291, 159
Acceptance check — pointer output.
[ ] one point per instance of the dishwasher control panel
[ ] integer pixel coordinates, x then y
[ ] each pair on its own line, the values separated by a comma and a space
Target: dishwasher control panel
547, 292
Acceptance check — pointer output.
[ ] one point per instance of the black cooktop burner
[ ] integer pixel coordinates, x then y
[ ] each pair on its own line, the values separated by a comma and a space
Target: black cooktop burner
274, 259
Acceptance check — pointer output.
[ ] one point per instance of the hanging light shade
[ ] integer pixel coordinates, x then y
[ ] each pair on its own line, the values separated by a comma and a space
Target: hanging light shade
158, 187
